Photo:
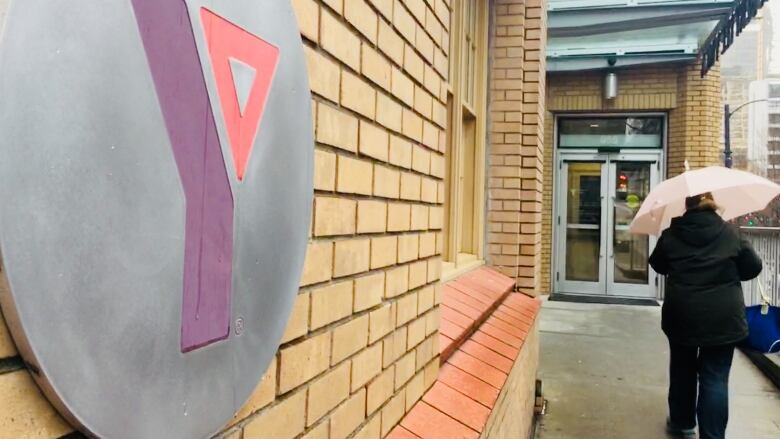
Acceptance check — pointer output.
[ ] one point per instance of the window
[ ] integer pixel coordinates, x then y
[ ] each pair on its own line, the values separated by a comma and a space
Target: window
614, 132
465, 180
774, 91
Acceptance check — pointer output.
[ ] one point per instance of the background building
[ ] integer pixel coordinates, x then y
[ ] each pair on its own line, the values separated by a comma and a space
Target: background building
746, 62
764, 128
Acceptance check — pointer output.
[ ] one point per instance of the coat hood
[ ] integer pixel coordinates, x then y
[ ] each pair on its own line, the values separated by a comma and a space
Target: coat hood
698, 227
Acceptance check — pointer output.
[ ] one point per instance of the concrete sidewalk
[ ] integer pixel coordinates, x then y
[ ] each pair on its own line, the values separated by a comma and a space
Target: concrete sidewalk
604, 369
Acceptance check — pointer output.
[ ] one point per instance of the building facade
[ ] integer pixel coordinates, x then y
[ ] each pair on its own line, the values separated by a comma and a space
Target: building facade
663, 117
764, 128
465, 160
429, 123
633, 97
747, 61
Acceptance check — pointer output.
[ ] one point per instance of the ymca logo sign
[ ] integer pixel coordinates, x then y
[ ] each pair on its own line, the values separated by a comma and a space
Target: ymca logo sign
244, 66
155, 196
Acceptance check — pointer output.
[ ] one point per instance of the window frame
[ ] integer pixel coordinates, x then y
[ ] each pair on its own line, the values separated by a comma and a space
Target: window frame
462, 164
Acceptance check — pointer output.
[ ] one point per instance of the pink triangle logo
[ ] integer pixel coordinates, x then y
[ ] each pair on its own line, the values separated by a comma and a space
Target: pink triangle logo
244, 67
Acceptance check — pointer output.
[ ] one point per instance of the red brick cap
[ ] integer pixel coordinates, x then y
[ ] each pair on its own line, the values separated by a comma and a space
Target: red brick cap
466, 303
483, 329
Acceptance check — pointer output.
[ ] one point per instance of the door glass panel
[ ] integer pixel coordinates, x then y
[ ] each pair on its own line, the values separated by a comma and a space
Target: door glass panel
631, 252
583, 222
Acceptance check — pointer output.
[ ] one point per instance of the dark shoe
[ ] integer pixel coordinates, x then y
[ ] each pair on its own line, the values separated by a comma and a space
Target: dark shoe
677, 431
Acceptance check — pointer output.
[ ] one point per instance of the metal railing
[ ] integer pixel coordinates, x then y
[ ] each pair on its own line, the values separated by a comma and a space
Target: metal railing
766, 241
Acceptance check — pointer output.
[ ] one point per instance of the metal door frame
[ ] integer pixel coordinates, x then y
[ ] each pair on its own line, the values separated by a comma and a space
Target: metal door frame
559, 200
629, 290
560, 226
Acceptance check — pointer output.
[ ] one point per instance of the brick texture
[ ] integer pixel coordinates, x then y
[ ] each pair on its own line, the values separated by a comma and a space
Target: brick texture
513, 414
486, 389
367, 302
25, 412
517, 102
695, 124
7, 347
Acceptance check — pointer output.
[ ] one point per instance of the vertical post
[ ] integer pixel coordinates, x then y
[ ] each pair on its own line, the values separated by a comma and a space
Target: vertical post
729, 162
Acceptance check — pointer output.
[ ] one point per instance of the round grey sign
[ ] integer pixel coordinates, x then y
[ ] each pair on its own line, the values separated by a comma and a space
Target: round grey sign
155, 196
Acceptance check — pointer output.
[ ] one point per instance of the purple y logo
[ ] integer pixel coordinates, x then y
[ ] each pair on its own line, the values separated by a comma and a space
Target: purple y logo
244, 66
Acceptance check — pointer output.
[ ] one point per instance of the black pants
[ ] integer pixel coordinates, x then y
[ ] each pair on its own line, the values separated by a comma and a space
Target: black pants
703, 373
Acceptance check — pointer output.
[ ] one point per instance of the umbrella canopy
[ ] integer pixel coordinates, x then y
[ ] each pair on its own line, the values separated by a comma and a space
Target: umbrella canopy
736, 192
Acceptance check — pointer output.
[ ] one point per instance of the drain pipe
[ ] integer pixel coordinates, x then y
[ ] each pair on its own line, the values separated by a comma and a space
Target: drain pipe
540, 408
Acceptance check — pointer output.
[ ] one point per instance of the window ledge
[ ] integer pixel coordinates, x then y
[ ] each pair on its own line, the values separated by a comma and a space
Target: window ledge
451, 270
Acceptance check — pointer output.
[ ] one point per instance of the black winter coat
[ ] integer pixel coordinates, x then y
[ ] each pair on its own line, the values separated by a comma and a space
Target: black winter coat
705, 260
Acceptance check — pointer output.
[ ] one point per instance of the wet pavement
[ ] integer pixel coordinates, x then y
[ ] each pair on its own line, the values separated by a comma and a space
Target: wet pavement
604, 369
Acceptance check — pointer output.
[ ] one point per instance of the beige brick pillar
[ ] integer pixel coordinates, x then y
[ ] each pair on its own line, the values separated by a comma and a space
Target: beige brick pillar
517, 134
695, 126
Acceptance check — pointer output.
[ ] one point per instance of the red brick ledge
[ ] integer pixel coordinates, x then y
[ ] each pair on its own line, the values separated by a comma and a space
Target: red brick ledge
466, 303
472, 377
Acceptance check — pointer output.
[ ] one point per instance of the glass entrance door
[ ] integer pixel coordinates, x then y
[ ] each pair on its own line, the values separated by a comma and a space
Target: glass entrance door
582, 228
628, 273
599, 196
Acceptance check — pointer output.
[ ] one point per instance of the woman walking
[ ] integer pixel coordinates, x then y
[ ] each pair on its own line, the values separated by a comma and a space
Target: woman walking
703, 313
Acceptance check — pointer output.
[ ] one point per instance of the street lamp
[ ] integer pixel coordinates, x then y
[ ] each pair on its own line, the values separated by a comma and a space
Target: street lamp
727, 113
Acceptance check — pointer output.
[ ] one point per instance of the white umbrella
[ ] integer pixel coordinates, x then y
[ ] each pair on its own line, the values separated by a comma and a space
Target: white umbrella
737, 193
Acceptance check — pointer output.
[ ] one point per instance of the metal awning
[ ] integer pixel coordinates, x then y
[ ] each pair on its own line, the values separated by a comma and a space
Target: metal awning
604, 34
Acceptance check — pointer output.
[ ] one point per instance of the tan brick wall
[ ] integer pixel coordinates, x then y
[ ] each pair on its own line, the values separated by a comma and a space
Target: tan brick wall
516, 140
644, 88
362, 344
513, 414
692, 103
695, 124
363, 334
